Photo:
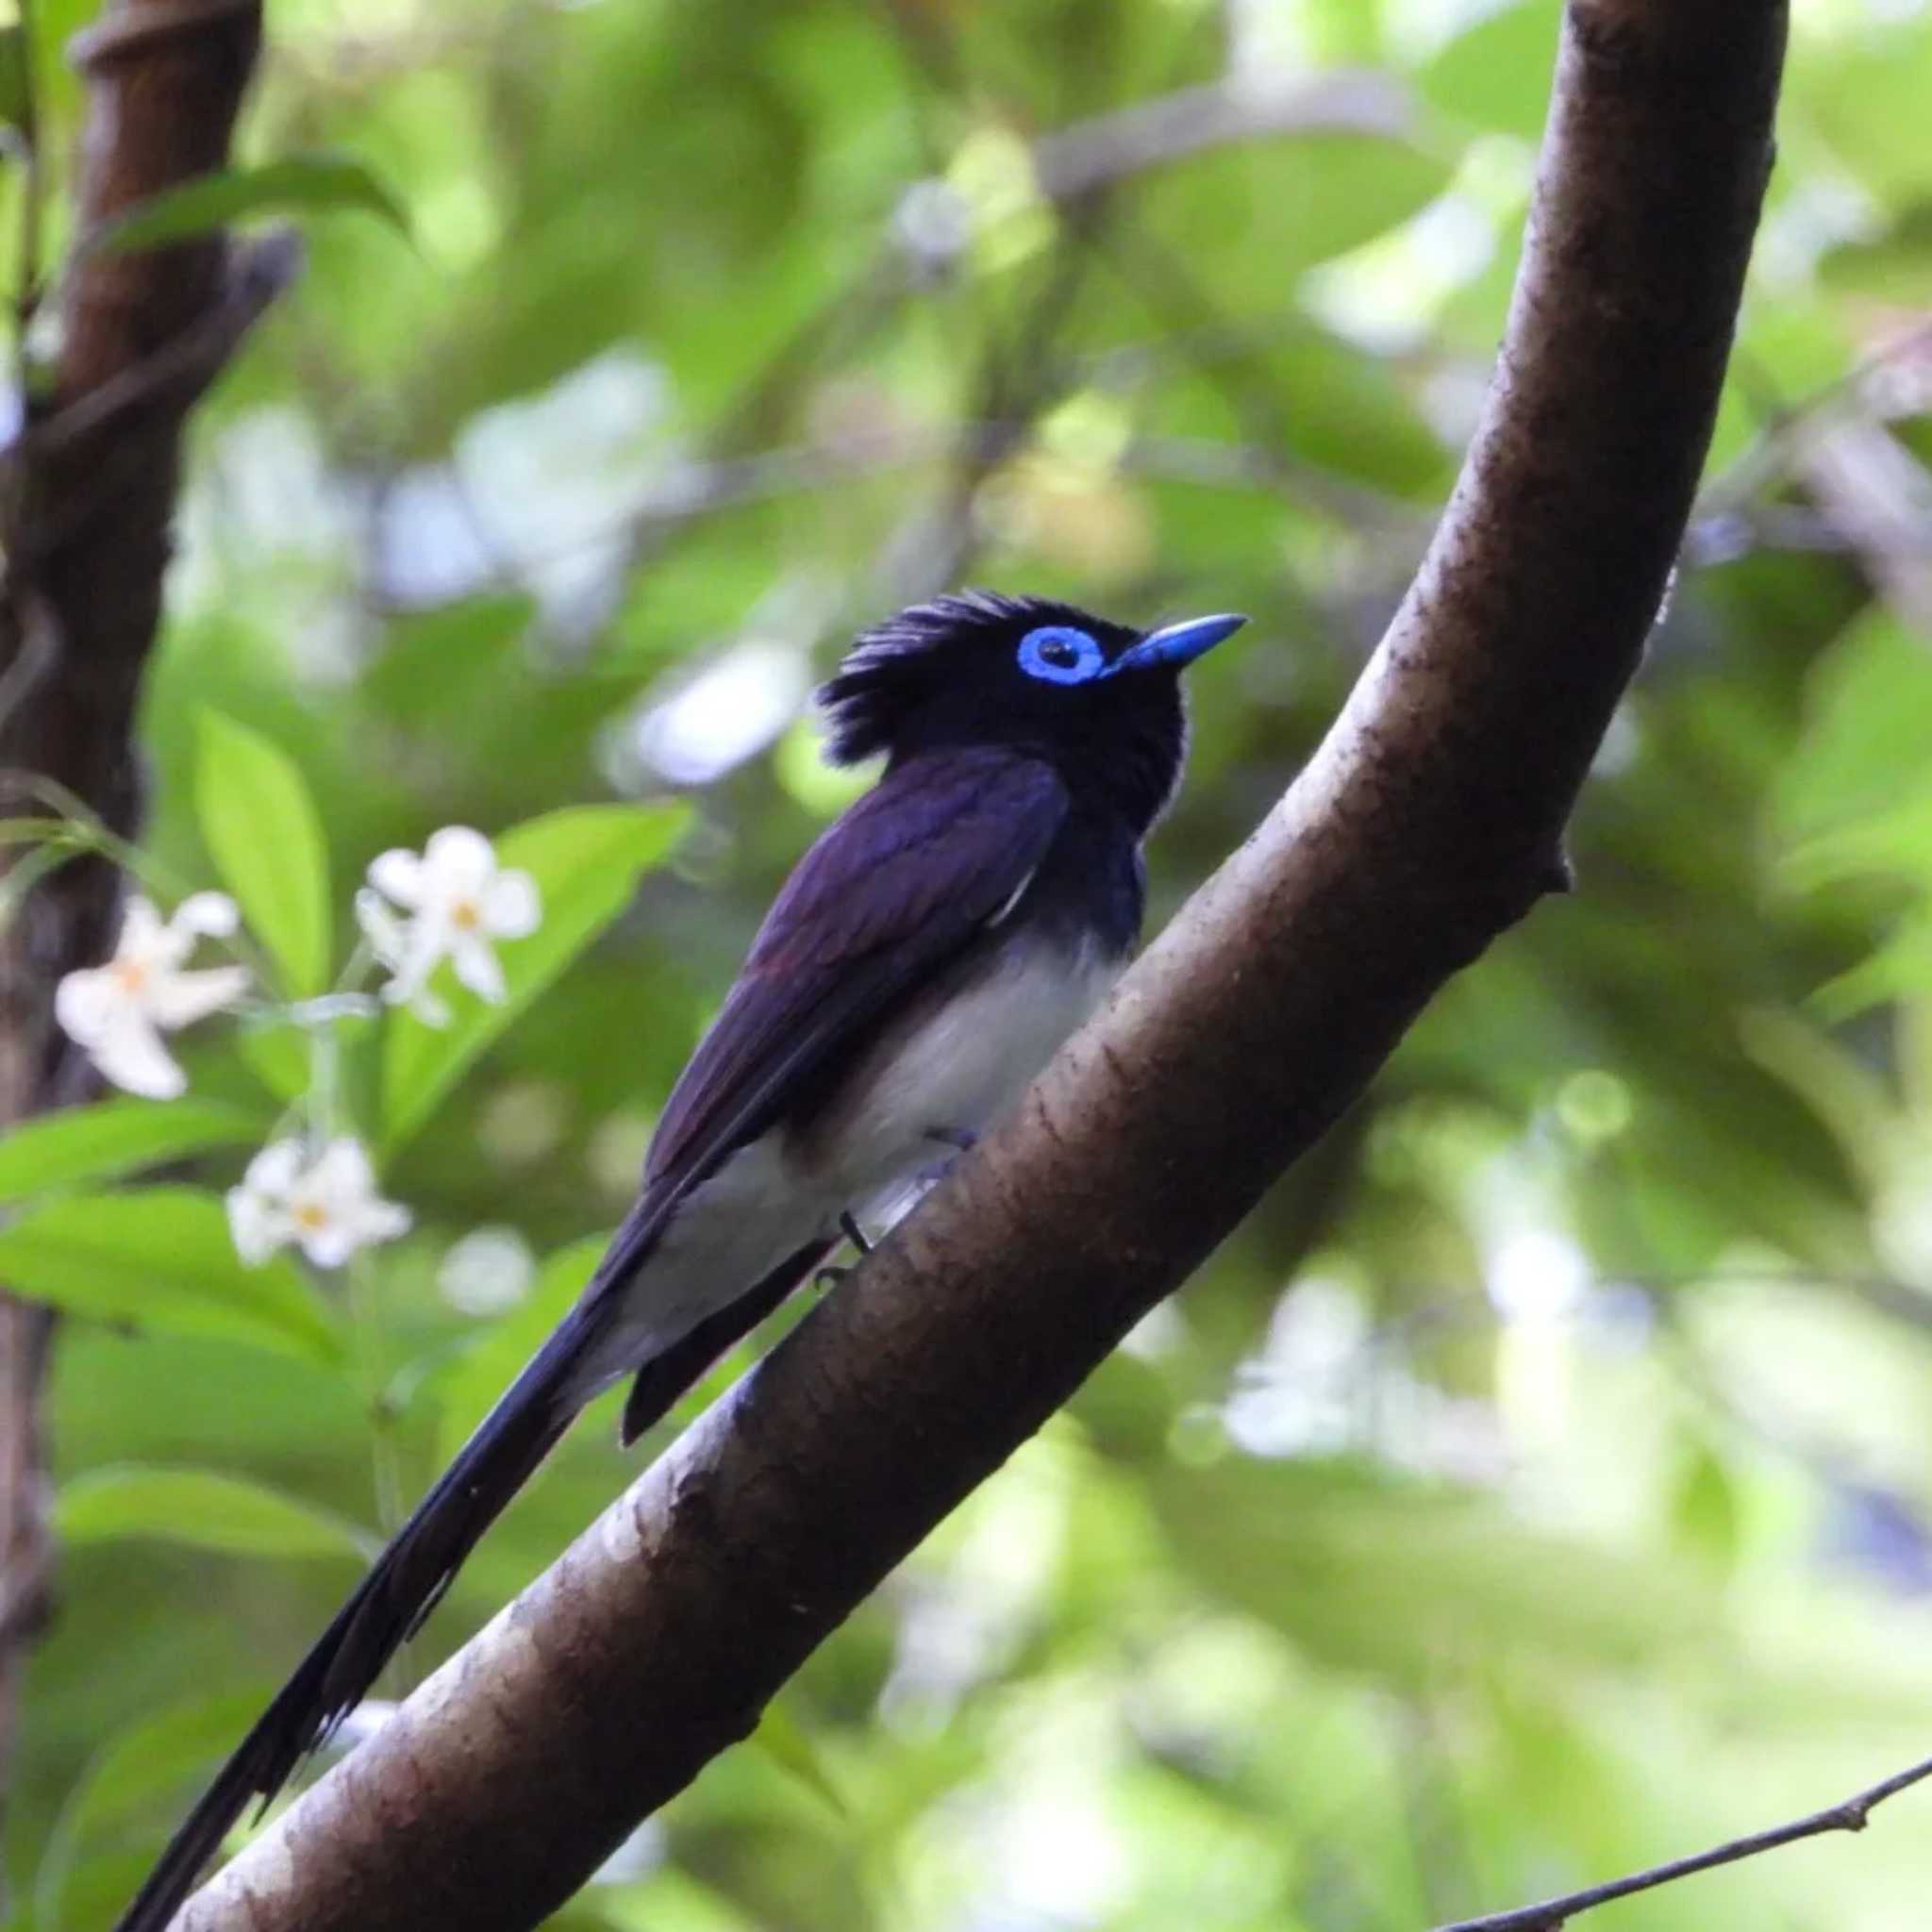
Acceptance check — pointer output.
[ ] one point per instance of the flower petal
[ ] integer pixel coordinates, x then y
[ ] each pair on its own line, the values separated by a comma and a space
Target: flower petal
88, 1003
418, 1002
130, 1053
146, 936
398, 875
387, 935
458, 863
256, 1226
511, 909
476, 967
179, 999
327, 1243
341, 1179
426, 1007
275, 1171
207, 915
380, 1221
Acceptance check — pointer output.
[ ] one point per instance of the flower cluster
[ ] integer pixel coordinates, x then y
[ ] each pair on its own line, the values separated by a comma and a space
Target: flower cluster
117, 1013
324, 1203
315, 1190
458, 901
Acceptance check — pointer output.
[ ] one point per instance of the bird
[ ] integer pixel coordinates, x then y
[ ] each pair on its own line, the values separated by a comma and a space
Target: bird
923, 960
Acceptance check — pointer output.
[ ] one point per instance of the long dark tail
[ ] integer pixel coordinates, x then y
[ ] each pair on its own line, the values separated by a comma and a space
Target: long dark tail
662, 1379
388, 1605
425, 1553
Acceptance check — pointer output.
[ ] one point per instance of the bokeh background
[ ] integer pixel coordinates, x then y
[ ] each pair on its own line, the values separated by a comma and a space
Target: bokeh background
1538, 1484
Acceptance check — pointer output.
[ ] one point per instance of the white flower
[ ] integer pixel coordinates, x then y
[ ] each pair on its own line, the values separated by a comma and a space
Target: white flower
118, 1012
459, 902
328, 1204
389, 939
489, 1270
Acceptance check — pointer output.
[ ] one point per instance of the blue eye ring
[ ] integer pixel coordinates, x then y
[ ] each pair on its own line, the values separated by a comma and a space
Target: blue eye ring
1059, 654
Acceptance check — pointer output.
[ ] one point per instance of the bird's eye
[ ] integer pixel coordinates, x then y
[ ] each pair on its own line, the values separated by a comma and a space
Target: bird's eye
1062, 655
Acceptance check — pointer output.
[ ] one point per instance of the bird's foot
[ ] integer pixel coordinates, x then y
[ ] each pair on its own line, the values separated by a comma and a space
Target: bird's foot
831, 1277
960, 1139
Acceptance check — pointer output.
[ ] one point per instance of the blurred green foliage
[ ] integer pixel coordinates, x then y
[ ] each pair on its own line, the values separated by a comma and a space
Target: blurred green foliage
1539, 1484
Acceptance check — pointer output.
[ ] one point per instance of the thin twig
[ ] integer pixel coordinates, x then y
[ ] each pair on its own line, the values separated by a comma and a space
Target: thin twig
1091, 154
1552, 1913
26, 296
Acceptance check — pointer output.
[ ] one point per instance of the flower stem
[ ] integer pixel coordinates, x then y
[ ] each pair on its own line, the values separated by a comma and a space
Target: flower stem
365, 1317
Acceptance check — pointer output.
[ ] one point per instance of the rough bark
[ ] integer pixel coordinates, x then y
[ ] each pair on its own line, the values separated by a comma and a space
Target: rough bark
1431, 819
89, 490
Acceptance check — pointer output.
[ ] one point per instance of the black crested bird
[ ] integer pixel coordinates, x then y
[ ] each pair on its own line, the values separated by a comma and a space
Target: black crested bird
923, 962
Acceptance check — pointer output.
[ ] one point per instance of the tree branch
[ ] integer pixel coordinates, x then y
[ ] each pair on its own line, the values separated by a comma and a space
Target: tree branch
1430, 820
89, 492
1070, 164
1554, 1913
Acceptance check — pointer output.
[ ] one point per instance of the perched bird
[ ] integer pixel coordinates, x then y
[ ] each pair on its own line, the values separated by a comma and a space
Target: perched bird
920, 966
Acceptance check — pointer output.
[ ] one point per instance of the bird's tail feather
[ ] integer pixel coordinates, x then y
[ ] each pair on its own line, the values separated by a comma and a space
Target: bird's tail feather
400, 1589
665, 1376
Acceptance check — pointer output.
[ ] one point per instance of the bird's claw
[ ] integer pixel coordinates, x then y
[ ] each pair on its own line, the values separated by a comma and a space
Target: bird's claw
960, 1139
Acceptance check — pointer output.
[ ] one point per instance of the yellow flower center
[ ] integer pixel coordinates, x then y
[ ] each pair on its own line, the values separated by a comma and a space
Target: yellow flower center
309, 1216
130, 976
466, 915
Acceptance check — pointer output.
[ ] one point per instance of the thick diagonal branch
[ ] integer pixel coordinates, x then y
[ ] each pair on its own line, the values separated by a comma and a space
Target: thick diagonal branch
89, 490
1431, 819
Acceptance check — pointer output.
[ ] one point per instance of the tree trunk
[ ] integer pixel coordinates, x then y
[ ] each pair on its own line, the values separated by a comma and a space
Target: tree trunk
90, 498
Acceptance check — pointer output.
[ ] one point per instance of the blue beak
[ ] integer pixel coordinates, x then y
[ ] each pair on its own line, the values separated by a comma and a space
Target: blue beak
1179, 644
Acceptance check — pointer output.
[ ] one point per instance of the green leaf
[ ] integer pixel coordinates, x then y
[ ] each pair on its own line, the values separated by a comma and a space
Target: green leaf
1496, 74
162, 1259
786, 1742
263, 830
279, 1057
1364, 1572
16, 81
146, 1762
320, 181
1705, 1510
150, 1757
115, 1137
585, 861
204, 1509
469, 1388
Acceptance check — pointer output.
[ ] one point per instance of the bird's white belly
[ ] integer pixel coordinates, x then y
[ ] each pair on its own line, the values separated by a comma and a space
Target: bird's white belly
954, 1069
950, 1072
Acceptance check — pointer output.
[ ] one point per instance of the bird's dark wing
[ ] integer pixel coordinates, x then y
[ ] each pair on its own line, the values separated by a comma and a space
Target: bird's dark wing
891, 894
907, 878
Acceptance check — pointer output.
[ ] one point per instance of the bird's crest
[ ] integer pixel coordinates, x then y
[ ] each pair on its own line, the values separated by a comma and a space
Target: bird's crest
892, 666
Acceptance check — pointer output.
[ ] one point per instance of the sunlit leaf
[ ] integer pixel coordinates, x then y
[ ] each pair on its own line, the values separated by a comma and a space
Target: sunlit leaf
162, 1259
1364, 1570
1497, 73
115, 1137
203, 1509
786, 1742
16, 82
1704, 1506
263, 829
585, 861
299, 184
144, 1764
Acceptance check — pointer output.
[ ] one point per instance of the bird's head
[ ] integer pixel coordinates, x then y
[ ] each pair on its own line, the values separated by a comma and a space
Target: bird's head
1099, 700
